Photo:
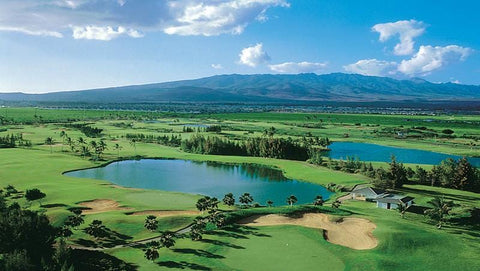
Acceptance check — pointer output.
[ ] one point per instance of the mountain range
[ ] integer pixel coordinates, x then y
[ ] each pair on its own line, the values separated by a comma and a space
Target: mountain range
267, 88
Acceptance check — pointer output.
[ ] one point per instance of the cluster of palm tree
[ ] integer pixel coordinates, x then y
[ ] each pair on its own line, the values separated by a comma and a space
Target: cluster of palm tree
92, 148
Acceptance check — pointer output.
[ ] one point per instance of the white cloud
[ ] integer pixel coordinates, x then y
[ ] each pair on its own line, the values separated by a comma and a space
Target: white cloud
429, 58
406, 30
372, 67
297, 67
253, 56
211, 18
103, 32
217, 66
32, 32
175, 17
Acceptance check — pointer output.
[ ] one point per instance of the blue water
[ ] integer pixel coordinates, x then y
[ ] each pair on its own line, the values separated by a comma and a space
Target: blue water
378, 153
206, 178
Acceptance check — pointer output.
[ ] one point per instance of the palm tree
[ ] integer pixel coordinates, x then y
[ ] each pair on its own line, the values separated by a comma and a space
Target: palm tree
70, 143
151, 254
318, 201
50, 141
246, 199
117, 148
63, 135
202, 204
291, 200
441, 208
151, 223
402, 208
133, 142
269, 203
166, 239
229, 200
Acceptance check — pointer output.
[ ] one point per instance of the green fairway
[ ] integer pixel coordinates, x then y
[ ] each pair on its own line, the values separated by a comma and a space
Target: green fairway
412, 243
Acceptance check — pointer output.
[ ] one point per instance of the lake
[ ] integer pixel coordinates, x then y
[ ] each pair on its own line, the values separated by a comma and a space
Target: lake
206, 178
379, 153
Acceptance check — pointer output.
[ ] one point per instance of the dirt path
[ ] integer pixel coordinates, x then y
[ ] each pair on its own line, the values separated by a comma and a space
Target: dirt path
351, 232
101, 205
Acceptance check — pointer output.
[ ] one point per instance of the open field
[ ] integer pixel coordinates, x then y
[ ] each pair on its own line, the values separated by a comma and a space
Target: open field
411, 243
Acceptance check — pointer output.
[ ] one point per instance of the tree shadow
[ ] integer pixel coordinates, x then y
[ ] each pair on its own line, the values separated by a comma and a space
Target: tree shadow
98, 261
198, 252
449, 196
53, 205
221, 243
108, 239
183, 265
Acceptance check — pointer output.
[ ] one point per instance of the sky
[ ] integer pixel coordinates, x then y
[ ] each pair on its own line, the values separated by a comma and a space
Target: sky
59, 45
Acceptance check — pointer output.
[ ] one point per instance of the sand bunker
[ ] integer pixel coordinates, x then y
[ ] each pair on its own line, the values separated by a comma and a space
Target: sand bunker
166, 213
100, 206
351, 232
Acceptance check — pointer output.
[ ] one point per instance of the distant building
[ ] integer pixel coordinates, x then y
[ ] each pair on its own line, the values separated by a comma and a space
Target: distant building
383, 199
392, 201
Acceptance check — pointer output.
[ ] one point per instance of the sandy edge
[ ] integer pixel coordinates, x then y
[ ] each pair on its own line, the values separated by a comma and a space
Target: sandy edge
352, 232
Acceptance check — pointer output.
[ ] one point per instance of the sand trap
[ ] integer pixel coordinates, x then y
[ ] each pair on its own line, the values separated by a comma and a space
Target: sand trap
101, 205
166, 213
352, 232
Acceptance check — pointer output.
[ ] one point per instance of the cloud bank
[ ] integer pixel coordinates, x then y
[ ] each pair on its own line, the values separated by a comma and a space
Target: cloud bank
109, 19
297, 67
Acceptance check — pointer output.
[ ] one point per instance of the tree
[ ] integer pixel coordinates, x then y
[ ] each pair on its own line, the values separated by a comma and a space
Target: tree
71, 144
151, 253
74, 220
441, 208
216, 218
229, 200
197, 229
133, 143
464, 177
63, 135
336, 204
402, 208
95, 229
318, 201
117, 148
291, 200
34, 194
202, 204
50, 141
166, 239
151, 223
269, 203
246, 199
397, 173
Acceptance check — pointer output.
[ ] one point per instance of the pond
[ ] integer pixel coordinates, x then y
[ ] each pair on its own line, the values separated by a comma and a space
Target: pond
206, 178
379, 153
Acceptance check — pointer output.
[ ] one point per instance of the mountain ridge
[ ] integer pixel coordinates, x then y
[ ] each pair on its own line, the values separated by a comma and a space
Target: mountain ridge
264, 88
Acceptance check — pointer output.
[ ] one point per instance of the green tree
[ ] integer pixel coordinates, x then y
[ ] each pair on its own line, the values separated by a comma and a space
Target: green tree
167, 239
291, 200
318, 201
117, 147
441, 208
151, 223
50, 141
269, 203
246, 199
402, 208
229, 200
34, 194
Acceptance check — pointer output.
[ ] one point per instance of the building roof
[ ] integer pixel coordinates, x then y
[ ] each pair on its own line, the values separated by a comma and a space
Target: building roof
393, 198
375, 191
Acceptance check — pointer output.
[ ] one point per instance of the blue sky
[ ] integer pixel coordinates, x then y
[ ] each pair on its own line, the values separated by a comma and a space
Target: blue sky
55, 45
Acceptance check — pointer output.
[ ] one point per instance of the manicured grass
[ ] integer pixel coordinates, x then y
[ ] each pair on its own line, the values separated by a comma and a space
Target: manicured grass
404, 244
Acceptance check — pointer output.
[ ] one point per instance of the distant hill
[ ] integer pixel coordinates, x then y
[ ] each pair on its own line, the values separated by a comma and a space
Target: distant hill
264, 88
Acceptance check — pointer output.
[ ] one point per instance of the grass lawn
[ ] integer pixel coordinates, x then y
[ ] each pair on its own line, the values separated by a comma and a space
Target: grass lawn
404, 244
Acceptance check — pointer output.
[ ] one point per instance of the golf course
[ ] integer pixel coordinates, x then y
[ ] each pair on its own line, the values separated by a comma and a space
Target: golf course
137, 178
